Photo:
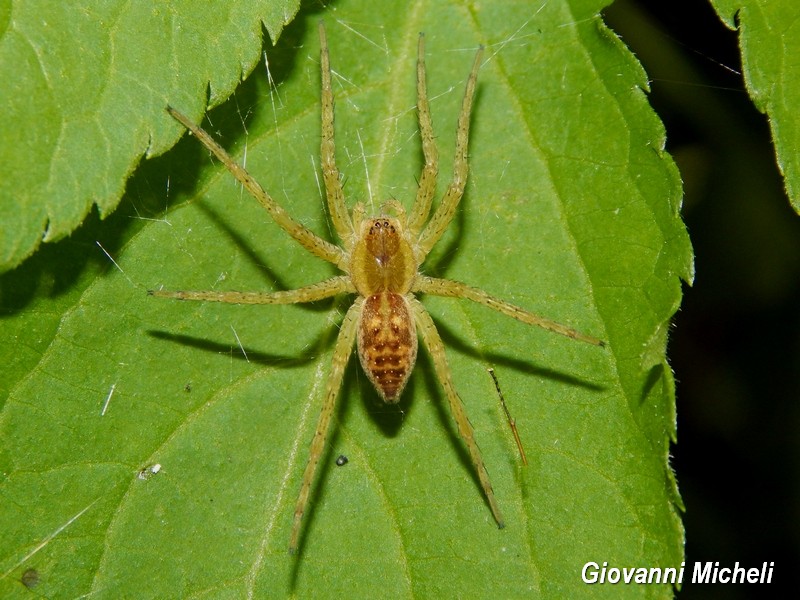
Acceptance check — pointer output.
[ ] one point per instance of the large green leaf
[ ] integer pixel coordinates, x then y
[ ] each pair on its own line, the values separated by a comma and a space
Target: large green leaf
769, 37
83, 95
572, 210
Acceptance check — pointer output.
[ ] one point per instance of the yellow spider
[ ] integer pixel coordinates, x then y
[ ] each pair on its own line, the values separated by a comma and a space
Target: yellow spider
380, 258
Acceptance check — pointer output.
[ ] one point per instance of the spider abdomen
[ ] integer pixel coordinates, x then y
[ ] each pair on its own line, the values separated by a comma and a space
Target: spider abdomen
387, 343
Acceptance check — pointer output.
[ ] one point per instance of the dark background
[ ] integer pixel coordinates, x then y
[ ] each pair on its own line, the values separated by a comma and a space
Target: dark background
734, 345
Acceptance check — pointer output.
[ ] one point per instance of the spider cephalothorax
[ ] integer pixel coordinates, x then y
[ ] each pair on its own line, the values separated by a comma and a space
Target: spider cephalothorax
380, 258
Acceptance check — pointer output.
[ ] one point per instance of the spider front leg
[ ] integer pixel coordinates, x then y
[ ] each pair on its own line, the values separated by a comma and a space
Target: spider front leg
430, 337
427, 180
307, 238
330, 173
341, 354
447, 209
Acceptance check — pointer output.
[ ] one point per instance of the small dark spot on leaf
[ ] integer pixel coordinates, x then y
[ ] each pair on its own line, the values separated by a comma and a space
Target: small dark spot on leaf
30, 578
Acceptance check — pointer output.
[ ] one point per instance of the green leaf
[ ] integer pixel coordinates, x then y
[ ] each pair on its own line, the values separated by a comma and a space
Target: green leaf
84, 89
571, 210
770, 45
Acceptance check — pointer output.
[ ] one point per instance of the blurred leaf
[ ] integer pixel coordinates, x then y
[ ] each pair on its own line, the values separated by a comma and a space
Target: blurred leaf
770, 44
84, 89
572, 210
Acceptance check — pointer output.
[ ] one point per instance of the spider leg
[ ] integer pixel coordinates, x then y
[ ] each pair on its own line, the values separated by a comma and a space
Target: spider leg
430, 337
341, 354
446, 210
330, 173
307, 238
309, 293
427, 179
456, 289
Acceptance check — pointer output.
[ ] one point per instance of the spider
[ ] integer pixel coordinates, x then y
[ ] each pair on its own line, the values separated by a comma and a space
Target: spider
380, 258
